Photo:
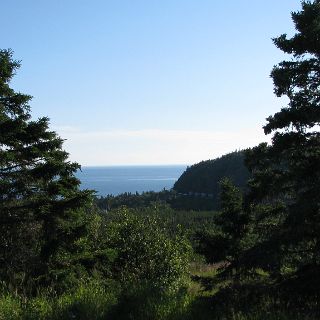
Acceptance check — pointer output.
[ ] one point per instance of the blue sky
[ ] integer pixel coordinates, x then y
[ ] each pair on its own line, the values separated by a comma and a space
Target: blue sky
148, 81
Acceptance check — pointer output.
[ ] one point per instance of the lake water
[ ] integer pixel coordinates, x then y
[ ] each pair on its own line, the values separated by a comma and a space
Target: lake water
119, 179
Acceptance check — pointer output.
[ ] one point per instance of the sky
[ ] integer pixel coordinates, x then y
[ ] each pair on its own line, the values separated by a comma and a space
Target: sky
143, 82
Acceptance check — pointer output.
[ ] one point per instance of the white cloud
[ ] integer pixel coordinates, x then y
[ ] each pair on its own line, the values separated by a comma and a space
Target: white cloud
118, 147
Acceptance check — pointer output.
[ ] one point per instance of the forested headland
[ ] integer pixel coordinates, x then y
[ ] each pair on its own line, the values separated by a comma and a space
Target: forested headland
247, 247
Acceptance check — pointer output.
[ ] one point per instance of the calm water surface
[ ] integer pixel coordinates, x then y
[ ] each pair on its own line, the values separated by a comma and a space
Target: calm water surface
119, 179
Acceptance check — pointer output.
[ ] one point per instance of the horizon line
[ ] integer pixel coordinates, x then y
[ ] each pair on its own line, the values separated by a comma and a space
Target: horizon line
138, 165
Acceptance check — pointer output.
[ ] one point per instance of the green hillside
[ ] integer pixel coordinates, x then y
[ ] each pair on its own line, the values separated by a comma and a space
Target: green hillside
202, 179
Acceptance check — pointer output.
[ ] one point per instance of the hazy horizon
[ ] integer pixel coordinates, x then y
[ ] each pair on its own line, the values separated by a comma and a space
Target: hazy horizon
137, 165
120, 179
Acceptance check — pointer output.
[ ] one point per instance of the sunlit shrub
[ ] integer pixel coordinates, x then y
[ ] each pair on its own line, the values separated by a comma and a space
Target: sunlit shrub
147, 252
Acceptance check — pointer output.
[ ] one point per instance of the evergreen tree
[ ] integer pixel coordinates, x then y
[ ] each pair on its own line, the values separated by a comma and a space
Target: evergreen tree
285, 188
233, 222
41, 206
227, 241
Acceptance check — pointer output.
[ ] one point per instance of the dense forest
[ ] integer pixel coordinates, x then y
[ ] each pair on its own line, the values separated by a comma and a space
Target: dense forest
204, 177
66, 255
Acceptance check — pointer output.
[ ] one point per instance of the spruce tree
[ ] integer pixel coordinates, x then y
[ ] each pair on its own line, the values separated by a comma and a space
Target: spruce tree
233, 223
226, 242
41, 206
285, 188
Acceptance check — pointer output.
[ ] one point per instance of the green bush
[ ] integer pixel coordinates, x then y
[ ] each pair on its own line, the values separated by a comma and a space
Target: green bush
147, 252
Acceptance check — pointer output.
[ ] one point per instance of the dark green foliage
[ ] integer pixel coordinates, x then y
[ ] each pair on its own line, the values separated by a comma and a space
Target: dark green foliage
194, 202
227, 241
170, 197
134, 200
285, 188
147, 251
41, 207
196, 224
233, 221
139, 270
203, 178
143, 302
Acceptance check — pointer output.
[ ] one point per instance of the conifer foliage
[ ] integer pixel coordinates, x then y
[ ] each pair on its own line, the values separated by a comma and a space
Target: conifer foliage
285, 188
40, 200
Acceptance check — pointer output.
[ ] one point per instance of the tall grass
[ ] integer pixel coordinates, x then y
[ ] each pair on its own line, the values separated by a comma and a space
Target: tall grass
89, 301
93, 301
10, 307
143, 302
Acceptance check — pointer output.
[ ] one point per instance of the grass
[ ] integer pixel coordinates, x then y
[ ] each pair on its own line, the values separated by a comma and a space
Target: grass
217, 299
206, 298
89, 301
10, 307
95, 302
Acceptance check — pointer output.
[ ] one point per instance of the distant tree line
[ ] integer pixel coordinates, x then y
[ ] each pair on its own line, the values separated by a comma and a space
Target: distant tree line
203, 178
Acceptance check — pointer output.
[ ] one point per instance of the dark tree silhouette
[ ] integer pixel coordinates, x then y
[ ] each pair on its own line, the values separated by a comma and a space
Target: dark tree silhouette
285, 188
40, 200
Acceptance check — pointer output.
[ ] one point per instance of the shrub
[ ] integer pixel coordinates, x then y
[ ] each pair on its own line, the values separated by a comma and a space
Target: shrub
147, 252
